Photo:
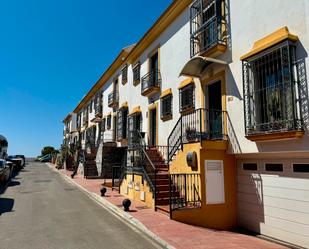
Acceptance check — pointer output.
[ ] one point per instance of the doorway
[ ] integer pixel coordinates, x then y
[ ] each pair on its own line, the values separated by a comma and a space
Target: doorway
214, 110
153, 127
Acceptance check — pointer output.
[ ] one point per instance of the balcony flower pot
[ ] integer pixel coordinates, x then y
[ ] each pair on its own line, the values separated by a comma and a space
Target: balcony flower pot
191, 134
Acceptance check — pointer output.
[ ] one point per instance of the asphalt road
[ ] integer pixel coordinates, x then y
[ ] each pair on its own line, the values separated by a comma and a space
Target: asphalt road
39, 210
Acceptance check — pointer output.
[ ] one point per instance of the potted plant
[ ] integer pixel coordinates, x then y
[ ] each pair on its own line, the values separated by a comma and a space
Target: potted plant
191, 134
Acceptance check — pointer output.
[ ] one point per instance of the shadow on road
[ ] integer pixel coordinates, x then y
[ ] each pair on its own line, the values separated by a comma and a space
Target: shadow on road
6, 205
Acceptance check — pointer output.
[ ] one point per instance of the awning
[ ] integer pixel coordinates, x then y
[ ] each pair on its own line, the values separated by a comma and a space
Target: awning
197, 66
96, 120
135, 110
166, 92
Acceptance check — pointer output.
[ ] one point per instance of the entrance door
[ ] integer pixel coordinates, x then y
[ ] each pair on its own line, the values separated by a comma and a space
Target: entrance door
215, 110
153, 127
214, 182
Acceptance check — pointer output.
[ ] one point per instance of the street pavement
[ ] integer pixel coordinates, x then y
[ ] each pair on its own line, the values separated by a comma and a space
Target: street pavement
39, 210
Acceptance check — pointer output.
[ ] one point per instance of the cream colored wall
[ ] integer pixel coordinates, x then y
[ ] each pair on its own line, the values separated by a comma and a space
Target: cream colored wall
250, 21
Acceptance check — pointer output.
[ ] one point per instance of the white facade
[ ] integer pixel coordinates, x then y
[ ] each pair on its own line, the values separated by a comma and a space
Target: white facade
265, 200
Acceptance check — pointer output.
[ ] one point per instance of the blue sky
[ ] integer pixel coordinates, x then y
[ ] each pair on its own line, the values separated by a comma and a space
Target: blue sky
52, 52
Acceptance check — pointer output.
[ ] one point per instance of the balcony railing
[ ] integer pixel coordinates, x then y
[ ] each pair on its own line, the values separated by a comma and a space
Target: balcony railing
151, 83
113, 99
202, 124
208, 26
99, 111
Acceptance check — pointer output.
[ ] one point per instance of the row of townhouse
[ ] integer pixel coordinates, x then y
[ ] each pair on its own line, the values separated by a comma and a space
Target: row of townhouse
206, 117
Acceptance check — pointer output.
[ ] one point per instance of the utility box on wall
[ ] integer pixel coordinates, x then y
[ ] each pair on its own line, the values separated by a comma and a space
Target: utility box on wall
192, 159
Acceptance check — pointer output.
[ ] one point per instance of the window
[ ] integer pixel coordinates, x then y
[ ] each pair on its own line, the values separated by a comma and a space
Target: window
166, 106
249, 166
270, 91
301, 167
186, 98
90, 106
109, 122
124, 73
122, 123
103, 124
134, 125
274, 167
136, 74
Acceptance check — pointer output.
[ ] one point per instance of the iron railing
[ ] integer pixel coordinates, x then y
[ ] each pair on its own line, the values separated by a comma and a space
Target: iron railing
208, 25
113, 98
142, 161
201, 124
151, 79
98, 110
185, 191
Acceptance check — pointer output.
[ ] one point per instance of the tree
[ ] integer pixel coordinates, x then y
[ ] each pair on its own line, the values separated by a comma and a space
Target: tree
48, 150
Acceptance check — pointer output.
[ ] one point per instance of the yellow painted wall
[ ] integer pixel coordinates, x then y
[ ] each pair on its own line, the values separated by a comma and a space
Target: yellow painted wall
218, 216
133, 193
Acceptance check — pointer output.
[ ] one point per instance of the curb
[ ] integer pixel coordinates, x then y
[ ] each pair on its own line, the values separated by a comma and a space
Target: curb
124, 216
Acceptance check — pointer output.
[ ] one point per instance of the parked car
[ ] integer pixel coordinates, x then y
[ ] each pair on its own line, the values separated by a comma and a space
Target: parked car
17, 162
22, 157
5, 171
46, 158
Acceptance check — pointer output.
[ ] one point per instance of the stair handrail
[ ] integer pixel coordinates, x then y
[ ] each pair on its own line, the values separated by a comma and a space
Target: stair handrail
144, 153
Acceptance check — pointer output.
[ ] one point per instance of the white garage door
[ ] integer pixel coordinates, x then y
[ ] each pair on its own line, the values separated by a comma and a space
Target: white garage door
273, 199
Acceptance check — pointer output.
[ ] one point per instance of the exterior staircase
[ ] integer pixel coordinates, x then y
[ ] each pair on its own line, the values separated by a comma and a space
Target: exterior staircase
90, 165
162, 179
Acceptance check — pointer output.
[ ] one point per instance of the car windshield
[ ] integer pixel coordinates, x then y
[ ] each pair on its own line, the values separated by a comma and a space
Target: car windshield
2, 164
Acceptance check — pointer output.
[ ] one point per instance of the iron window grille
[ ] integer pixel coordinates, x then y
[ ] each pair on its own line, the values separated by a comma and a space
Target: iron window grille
207, 25
166, 106
134, 124
186, 98
109, 122
124, 73
122, 123
136, 74
271, 91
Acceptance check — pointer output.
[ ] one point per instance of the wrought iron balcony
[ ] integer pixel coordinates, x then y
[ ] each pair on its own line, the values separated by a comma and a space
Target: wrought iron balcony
208, 28
151, 83
200, 125
113, 99
99, 111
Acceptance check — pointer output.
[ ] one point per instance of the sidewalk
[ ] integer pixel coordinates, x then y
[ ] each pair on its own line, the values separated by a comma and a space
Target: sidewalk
176, 234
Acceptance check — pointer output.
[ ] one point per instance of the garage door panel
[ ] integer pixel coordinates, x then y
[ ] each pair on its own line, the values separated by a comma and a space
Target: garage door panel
256, 220
301, 206
292, 194
275, 181
278, 213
